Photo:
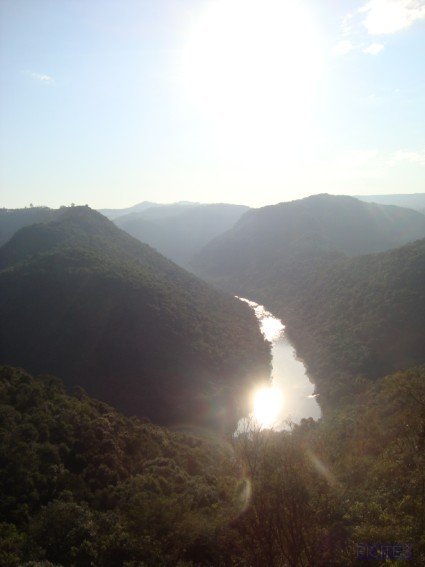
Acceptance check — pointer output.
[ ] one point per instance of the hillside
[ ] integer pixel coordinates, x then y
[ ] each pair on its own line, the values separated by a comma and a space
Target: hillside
83, 485
348, 314
265, 240
179, 234
12, 220
358, 317
81, 299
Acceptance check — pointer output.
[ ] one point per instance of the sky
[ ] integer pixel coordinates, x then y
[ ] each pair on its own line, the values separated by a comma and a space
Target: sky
113, 102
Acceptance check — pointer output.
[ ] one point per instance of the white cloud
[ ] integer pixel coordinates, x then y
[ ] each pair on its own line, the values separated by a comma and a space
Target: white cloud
408, 156
43, 78
373, 48
347, 24
390, 16
342, 48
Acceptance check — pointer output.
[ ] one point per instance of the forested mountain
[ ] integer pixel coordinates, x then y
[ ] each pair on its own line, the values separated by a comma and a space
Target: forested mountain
83, 300
12, 220
321, 224
177, 233
83, 485
411, 201
348, 316
357, 317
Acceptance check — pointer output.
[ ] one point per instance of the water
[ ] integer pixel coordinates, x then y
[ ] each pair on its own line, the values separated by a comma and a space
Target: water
289, 378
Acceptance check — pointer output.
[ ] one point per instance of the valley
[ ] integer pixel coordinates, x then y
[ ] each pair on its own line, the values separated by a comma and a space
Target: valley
150, 417
212, 283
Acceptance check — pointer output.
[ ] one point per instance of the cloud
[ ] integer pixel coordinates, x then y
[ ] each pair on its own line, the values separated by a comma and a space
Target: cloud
373, 48
391, 16
342, 48
408, 156
43, 78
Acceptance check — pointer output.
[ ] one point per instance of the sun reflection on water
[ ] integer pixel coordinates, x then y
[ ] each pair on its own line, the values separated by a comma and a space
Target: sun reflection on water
290, 396
271, 327
267, 406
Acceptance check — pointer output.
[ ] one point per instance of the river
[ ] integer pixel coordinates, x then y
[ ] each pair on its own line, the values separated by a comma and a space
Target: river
290, 382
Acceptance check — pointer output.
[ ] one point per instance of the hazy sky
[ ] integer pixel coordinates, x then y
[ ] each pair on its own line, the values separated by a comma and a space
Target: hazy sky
112, 102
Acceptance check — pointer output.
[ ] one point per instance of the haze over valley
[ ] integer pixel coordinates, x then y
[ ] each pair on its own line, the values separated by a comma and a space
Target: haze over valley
212, 283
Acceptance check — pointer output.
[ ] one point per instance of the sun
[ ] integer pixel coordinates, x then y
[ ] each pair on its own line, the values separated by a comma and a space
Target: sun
267, 406
253, 67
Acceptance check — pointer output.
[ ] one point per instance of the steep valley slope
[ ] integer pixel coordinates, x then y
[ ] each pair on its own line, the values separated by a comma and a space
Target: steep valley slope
83, 300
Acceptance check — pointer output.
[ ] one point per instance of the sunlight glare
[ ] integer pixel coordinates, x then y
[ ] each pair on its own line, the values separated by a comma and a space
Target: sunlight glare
271, 327
253, 67
267, 406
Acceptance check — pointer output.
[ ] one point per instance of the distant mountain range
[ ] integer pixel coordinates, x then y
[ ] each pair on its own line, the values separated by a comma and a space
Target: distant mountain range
81, 299
157, 209
12, 220
176, 230
180, 231
411, 201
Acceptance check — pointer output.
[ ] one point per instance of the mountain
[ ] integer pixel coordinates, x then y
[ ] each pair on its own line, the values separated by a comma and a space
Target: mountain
180, 234
351, 315
263, 246
358, 318
411, 201
12, 220
83, 300
157, 209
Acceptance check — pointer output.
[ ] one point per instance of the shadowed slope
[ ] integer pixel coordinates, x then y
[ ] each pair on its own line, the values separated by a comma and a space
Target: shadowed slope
83, 300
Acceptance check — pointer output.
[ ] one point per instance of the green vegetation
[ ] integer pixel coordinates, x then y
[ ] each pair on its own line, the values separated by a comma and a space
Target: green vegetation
82, 485
350, 317
359, 318
81, 299
271, 237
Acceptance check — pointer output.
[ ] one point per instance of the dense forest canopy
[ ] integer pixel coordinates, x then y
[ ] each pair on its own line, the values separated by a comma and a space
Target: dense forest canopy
219, 369
83, 485
350, 315
320, 223
82, 299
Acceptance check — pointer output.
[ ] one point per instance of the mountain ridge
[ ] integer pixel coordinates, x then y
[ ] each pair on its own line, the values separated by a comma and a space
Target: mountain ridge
85, 301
